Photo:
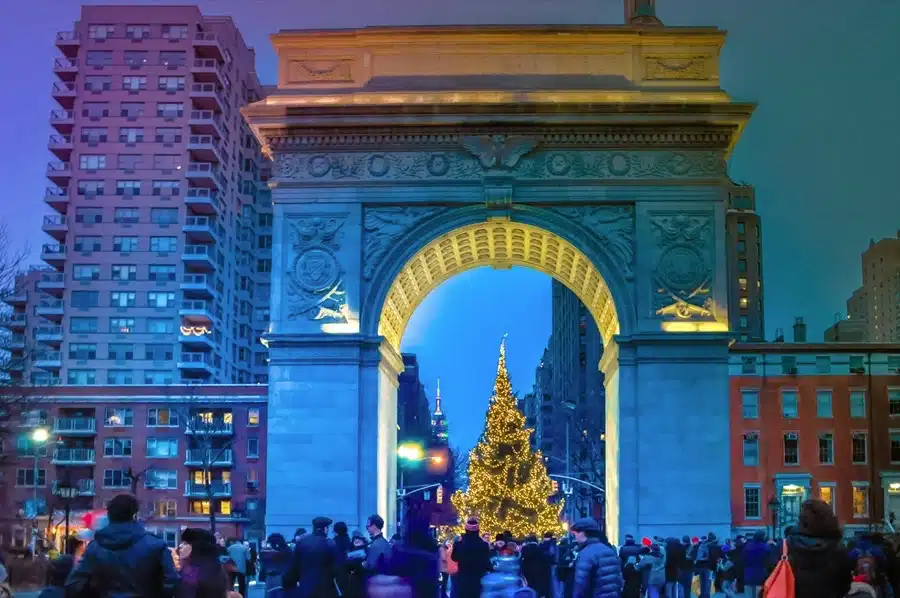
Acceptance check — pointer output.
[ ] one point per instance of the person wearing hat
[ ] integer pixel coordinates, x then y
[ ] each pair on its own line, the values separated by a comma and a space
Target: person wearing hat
473, 557
598, 572
202, 575
316, 564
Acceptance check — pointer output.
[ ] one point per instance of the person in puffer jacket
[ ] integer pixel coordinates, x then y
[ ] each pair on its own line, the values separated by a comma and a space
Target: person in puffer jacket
598, 571
655, 564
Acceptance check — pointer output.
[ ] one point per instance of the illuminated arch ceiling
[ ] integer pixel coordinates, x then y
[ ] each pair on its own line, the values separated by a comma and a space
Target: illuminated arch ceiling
500, 244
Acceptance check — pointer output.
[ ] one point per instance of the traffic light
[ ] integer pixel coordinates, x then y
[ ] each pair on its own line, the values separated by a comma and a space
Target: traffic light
437, 460
440, 495
555, 486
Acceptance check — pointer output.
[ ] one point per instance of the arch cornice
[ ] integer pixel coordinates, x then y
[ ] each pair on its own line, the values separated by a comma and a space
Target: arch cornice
407, 245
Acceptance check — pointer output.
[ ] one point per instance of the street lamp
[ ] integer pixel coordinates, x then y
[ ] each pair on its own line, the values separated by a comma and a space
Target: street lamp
67, 492
407, 452
39, 437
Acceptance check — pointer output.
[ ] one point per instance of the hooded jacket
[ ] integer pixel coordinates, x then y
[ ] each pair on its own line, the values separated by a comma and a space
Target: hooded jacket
598, 571
124, 561
822, 567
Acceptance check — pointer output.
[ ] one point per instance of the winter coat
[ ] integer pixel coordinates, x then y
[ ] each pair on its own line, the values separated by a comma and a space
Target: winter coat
537, 567
656, 565
675, 560
418, 567
822, 567
629, 549
474, 557
598, 571
378, 554
632, 578
240, 556
275, 563
756, 555
208, 581
315, 567
124, 561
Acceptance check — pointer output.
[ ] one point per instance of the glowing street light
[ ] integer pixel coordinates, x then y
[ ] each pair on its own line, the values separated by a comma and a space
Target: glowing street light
40, 435
410, 451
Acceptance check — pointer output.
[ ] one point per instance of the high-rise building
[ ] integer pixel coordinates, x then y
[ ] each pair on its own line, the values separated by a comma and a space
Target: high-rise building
439, 429
160, 260
877, 301
743, 237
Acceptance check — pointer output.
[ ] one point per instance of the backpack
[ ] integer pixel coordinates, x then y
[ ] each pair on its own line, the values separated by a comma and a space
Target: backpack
866, 567
780, 583
702, 552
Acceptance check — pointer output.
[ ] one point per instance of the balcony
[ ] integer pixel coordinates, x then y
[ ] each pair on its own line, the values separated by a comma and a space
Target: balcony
84, 487
65, 69
197, 311
196, 364
199, 257
64, 94
16, 343
197, 342
61, 146
204, 148
53, 283
68, 43
217, 488
15, 297
46, 380
63, 121
206, 122
54, 254
197, 285
51, 335
74, 456
75, 426
212, 457
215, 426
207, 96
207, 70
57, 198
200, 229
59, 173
204, 174
202, 201
56, 226
52, 309
206, 45
14, 321
48, 360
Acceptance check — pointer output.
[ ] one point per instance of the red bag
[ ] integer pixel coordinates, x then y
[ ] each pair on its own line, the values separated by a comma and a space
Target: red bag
781, 583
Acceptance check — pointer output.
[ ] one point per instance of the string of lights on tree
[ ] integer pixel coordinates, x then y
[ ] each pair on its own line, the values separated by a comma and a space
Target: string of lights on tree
508, 483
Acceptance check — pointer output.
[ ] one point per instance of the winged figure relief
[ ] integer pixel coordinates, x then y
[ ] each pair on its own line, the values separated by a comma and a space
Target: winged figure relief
499, 151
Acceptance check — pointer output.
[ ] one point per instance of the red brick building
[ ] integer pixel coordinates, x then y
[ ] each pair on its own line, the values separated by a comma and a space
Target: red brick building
814, 420
158, 441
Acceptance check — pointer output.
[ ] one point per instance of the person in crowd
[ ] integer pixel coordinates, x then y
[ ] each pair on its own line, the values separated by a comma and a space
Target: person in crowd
274, 562
415, 560
4, 571
822, 567
632, 579
240, 557
57, 573
537, 567
378, 553
315, 564
202, 575
565, 565
686, 574
124, 559
755, 557
704, 556
444, 567
598, 571
452, 567
473, 556
356, 573
341, 536
675, 556
629, 549
653, 565
252, 568
727, 571
740, 542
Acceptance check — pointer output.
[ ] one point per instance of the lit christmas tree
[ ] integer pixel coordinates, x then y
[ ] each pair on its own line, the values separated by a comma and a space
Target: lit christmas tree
508, 483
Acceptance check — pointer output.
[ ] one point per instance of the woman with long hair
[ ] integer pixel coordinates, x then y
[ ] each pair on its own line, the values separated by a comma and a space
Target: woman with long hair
202, 575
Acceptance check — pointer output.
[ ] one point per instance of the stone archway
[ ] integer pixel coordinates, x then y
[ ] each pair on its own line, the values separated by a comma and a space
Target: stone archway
404, 156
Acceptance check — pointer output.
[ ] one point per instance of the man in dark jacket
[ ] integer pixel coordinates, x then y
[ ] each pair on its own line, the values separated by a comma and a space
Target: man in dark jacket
124, 560
316, 564
537, 567
598, 571
822, 567
474, 558
629, 549
378, 553
675, 557
755, 557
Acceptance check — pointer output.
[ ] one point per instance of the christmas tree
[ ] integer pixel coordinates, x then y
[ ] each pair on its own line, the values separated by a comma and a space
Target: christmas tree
508, 483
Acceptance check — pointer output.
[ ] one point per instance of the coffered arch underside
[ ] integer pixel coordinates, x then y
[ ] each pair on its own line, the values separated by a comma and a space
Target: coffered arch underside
501, 244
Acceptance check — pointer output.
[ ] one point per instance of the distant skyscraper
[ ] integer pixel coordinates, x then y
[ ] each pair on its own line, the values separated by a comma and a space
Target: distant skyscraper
877, 301
413, 410
743, 237
438, 419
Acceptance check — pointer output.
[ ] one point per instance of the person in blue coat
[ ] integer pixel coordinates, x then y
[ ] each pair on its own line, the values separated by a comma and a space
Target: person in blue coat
598, 571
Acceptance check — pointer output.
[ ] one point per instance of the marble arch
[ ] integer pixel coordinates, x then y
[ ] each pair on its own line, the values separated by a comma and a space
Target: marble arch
406, 155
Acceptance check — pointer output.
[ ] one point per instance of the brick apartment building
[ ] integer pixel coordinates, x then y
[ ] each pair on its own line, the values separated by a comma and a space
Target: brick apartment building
158, 441
814, 420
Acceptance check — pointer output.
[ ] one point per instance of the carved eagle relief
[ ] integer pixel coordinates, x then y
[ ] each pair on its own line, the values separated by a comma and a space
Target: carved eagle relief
499, 151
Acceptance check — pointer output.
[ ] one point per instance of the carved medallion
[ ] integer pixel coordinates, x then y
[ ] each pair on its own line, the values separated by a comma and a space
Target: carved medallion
618, 164
314, 280
558, 164
683, 271
438, 165
378, 165
319, 166
384, 226
316, 269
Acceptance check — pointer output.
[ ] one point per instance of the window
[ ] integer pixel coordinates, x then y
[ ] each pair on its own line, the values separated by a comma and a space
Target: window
751, 449
117, 447
135, 58
174, 31
265, 220
85, 299
162, 244
823, 403
166, 188
895, 446
25, 477
26, 447
121, 351
82, 351
858, 448
253, 447
225, 507
101, 31
122, 299
264, 265
826, 448
99, 58
171, 83
128, 188
172, 58
743, 322
750, 404
97, 83
826, 493
752, 504
860, 499
91, 189
857, 364
199, 507
116, 478
791, 448
92, 162
131, 110
162, 272
121, 325
131, 134
126, 216
741, 246
741, 228
137, 31
89, 215
169, 109
94, 134
166, 509
742, 266
82, 377
124, 272
119, 417
264, 242
78, 325
125, 244
253, 416
162, 448
158, 299
162, 479
158, 377
857, 403
160, 326
168, 135
167, 162
164, 215
790, 408
894, 401
748, 365
823, 364
743, 302
162, 417
130, 161
95, 110
158, 352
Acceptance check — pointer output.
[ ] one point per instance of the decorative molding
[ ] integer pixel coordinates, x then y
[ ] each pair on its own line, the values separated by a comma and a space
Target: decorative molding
364, 166
320, 71
382, 226
683, 269
662, 68
613, 226
622, 165
315, 284
499, 151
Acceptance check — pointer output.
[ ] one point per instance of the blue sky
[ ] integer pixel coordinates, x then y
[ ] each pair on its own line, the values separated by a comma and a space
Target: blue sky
821, 151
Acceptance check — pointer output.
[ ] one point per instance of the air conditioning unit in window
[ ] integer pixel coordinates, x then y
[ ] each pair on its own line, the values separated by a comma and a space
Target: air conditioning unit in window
751, 436
790, 436
857, 370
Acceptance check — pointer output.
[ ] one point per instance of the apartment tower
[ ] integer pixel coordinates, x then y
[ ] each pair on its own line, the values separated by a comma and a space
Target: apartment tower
743, 239
877, 301
158, 269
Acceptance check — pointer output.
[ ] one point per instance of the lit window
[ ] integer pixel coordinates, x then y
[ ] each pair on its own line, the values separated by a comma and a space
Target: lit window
253, 416
790, 407
752, 505
860, 499
742, 283
744, 303
826, 494
225, 507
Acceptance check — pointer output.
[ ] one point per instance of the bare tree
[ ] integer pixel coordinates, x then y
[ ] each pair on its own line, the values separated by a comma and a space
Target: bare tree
589, 463
460, 468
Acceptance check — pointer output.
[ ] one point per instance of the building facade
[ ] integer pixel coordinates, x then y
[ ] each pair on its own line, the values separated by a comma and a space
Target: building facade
814, 420
158, 442
743, 239
877, 301
161, 238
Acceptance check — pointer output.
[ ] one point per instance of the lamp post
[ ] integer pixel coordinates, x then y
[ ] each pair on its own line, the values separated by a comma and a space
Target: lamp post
569, 406
67, 492
407, 452
39, 437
